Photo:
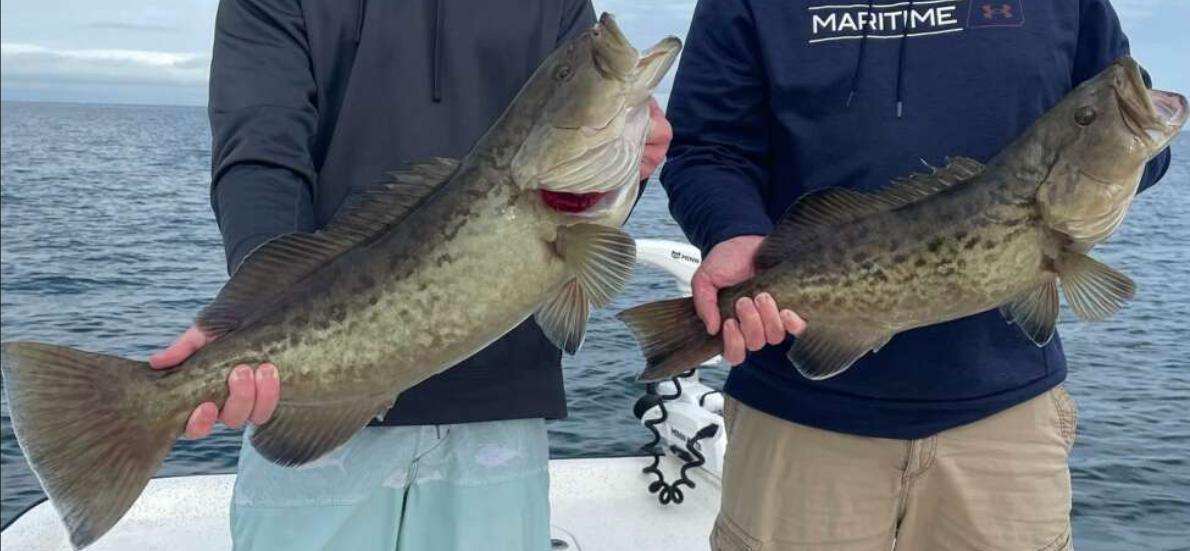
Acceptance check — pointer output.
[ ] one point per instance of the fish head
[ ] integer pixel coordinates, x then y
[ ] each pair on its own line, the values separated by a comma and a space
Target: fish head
1101, 135
590, 118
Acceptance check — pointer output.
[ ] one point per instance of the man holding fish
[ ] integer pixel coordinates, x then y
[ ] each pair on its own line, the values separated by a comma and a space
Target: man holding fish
907, 409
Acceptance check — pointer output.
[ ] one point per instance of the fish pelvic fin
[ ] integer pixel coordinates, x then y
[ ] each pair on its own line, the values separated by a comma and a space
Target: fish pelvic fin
1036, 313
563, 318
672, 338
85, 426
1095, 291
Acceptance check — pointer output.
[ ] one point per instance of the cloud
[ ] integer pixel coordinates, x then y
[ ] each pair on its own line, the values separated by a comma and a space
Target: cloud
122, 26
28, 63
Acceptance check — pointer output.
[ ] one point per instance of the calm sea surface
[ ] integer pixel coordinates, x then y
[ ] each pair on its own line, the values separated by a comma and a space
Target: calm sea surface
108, 244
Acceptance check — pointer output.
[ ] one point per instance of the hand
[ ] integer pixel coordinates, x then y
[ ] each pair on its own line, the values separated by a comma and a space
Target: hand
760, 321
252, 393
657, 142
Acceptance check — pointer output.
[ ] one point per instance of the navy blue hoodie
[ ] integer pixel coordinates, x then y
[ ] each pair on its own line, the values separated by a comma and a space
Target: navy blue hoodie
776, 98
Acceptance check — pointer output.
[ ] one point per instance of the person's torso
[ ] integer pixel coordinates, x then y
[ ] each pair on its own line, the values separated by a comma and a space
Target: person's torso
969, 76
407, 81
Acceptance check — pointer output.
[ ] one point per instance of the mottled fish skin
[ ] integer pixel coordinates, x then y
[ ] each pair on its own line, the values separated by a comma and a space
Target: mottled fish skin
967, 250
967, 238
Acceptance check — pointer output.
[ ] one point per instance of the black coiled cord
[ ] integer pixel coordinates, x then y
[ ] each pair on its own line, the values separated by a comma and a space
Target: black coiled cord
666, 492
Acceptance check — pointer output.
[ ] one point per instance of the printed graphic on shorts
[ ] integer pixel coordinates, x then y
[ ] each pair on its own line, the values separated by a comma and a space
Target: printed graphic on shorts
897, 20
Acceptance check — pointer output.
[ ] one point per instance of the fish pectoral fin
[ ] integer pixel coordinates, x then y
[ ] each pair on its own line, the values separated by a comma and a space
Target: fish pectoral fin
599, 257
1036, 313
823, 351
1095, 291
563, 318
300, 432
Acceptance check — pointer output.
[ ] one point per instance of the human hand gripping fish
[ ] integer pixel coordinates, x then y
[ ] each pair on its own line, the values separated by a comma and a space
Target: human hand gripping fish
859, 268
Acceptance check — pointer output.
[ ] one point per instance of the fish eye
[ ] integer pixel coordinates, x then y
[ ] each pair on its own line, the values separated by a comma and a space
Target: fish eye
563, 73
1085, 115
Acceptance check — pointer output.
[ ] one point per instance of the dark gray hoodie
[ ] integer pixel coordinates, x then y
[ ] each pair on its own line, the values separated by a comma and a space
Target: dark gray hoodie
311, 100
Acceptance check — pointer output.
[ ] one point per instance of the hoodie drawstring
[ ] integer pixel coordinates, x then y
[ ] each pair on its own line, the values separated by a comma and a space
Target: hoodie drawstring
436, 52
863, 49
901, 61
859, 61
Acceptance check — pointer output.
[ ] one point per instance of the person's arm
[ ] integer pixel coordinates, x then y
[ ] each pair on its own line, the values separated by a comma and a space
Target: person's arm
1100, 41
263, 114
717, 173
717, 176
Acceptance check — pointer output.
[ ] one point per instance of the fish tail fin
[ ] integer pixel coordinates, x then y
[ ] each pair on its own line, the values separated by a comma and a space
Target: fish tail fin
91, 437
671, 336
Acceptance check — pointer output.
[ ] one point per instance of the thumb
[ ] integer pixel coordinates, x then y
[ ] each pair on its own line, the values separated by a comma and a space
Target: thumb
706, 302
184, 347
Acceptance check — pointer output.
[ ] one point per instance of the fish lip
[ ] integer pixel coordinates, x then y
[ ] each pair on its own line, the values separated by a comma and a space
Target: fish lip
613, 54
1154, 115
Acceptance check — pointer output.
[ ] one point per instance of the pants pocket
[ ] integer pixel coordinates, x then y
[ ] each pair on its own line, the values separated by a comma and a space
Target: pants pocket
728, 536
1067, 414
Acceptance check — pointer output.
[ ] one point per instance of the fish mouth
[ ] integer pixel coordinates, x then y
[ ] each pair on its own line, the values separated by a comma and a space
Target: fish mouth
1155, 116
614, 56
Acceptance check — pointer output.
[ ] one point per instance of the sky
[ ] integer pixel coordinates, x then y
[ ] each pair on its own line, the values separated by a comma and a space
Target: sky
137, 51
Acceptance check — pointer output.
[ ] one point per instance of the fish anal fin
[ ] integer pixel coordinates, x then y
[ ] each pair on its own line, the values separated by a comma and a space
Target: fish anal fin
301, 432
823, 351
1036, 312
269, 271
1095, 291
599, 257
835, 206
563, 318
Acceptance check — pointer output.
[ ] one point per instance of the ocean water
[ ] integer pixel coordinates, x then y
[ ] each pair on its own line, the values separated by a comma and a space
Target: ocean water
107, 243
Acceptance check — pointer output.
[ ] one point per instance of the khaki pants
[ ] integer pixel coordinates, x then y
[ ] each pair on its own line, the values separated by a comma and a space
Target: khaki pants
999, 484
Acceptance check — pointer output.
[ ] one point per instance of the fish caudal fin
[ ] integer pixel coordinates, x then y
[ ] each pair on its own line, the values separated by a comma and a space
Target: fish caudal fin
671, 336
78, 419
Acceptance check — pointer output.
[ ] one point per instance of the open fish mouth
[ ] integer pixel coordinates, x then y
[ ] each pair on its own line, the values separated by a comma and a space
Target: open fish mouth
1155, 116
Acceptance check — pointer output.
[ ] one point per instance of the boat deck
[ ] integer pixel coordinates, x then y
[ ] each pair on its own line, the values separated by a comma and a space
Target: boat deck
597, 505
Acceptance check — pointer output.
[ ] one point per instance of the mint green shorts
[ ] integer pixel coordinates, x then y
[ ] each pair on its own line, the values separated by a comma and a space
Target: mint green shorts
439, 488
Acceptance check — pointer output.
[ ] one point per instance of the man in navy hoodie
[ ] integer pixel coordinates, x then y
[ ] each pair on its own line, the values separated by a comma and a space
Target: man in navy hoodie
954, 436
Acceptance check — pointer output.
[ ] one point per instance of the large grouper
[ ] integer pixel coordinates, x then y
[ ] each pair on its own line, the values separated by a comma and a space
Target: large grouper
407, 281
964, 239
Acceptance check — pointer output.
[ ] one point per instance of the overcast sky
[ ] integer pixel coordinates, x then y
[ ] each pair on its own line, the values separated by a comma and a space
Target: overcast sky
137, 51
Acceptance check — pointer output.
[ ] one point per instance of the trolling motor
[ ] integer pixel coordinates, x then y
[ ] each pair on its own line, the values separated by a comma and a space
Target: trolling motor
684, 415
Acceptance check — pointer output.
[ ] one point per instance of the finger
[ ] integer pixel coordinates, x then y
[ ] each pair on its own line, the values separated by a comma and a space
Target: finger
750, 326
183, 347
794, 323
241, 388
201, 421
268, 393
733, 343
706, 301
770, 318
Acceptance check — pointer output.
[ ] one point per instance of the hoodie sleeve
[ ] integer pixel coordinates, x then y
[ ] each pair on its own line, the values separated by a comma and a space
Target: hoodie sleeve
577, 16
263, 116
1101, 40
716, 175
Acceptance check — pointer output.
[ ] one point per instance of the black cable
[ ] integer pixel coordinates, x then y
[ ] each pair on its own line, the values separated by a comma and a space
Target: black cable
672, 493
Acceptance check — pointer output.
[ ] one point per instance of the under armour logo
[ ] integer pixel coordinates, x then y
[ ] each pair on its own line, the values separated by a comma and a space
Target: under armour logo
990, 12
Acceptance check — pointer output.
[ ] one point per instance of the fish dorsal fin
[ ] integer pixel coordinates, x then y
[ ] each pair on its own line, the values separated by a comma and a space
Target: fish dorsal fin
270, 270
836, 206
